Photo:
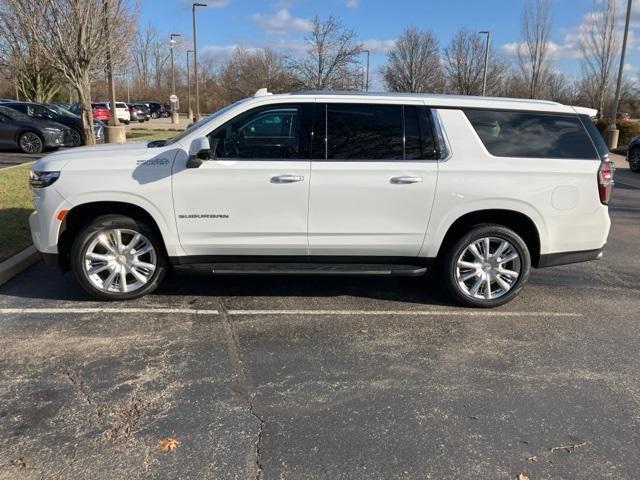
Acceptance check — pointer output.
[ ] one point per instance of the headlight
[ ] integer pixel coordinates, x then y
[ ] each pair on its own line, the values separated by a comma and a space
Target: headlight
42, 179
53, 130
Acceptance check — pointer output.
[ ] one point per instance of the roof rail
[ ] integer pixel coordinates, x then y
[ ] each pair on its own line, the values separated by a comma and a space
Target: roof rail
262, 93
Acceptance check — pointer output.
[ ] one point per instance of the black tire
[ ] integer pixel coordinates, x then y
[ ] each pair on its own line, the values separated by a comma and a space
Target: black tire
634, 159
88, 234
154, 115
76, 138
450, 266
126, 122
30, 142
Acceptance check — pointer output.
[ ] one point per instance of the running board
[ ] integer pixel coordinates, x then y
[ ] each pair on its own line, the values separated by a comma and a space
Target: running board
300, 269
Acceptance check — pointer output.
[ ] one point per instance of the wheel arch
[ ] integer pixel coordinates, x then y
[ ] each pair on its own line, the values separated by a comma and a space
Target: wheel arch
80, 215
520, 223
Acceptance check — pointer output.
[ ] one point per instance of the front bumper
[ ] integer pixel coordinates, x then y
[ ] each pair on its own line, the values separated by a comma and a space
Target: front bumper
57, 139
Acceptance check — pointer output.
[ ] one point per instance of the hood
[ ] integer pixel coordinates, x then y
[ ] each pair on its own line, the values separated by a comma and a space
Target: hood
93, 153
49, 124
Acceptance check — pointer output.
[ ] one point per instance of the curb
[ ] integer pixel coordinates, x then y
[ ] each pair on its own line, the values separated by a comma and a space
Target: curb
18, 263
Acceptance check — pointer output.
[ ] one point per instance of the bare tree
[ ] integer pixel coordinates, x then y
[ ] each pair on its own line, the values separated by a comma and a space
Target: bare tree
143, 47
248, 70
533, 52
331, 57
463, 64
413, 64
72, 35
22, 63
599, 46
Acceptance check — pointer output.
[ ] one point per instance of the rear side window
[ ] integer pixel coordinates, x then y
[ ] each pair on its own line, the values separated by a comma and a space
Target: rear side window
596, 136
364, 132
120, 105
532, 135
355, 132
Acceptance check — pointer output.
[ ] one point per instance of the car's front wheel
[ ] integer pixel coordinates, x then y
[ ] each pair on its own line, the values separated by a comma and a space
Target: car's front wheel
487, 267
634, 159
118, 258
76, 138
30, 142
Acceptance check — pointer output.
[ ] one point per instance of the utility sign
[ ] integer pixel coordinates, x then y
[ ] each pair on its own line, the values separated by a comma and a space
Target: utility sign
173, 98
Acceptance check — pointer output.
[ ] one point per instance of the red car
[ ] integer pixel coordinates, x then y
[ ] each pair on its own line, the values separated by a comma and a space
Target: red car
100, 112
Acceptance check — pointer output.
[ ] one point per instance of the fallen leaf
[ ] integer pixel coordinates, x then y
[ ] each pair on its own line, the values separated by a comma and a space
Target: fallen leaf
19, 462
364, 330
533, 458
522, 476
168, 444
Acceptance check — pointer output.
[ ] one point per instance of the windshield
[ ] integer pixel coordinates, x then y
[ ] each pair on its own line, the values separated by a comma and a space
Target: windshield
62, 111
201, 122
14, 114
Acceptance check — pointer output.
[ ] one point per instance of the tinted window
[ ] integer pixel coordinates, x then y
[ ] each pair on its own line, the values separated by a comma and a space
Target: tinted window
596, 136
419, 143
266, 133
319, 132
364, 132
533, 135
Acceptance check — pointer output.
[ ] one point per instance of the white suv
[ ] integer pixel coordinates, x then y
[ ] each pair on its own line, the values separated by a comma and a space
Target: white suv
122, 111
334, 183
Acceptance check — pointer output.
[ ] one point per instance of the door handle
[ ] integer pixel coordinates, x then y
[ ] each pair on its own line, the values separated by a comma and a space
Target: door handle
287, 178
405, 180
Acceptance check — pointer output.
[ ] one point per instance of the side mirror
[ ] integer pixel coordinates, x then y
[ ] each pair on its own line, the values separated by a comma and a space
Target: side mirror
199, 151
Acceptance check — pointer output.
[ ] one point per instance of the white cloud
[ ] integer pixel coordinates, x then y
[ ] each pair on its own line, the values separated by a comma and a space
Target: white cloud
378, 46
352, 3
281, 22
556, 51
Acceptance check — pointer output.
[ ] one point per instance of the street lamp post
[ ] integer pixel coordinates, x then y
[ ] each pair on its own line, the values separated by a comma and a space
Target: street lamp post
189, 84
366, 83
174, 114
611, 133
486, 62
114, 132
195, 56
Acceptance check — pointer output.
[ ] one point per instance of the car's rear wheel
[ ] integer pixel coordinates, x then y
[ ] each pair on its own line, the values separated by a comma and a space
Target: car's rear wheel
118, 258
487, 267
154, 115
30, 142
634, 159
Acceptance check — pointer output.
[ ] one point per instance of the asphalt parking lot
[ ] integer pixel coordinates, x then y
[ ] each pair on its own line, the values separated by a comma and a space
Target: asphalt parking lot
337, 378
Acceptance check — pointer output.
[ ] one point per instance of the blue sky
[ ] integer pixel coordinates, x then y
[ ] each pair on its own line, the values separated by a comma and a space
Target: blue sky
284, 23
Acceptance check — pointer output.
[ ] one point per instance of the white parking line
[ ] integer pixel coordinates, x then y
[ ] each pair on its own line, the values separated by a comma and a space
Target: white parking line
53, 311
189, 311
426, 313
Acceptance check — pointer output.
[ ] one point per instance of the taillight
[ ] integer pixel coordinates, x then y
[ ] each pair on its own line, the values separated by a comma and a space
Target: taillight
605, 181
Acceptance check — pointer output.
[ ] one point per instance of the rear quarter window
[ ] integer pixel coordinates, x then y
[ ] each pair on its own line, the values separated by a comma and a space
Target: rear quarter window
532, 135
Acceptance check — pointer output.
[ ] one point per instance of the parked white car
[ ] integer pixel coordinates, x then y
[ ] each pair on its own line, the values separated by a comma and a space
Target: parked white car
122, 111
331, 183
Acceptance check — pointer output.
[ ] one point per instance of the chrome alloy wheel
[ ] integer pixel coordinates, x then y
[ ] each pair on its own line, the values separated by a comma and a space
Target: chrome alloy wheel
30, 143
119, 260
488, 268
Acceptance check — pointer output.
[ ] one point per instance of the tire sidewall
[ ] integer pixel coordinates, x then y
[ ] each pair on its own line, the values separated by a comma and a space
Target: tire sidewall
40, 150
481, 231
107, 222
634, 166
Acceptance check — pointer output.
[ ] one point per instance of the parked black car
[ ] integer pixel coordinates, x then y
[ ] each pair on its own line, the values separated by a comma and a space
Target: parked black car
156, 109
633, 154
30, 135
54, 113
139, 112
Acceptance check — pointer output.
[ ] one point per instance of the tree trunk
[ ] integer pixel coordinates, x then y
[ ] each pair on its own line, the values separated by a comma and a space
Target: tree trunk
83, 87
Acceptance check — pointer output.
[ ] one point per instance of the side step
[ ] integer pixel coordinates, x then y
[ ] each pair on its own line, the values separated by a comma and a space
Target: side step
300, 269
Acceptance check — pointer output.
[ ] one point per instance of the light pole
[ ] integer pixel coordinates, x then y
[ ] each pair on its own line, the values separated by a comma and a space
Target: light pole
195, 56
611, 133
114, 132
189, 85
174, 115
486, 62
366, 83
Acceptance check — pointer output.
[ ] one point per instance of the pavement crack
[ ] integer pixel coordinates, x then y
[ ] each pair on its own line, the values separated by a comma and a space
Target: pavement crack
241, 385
